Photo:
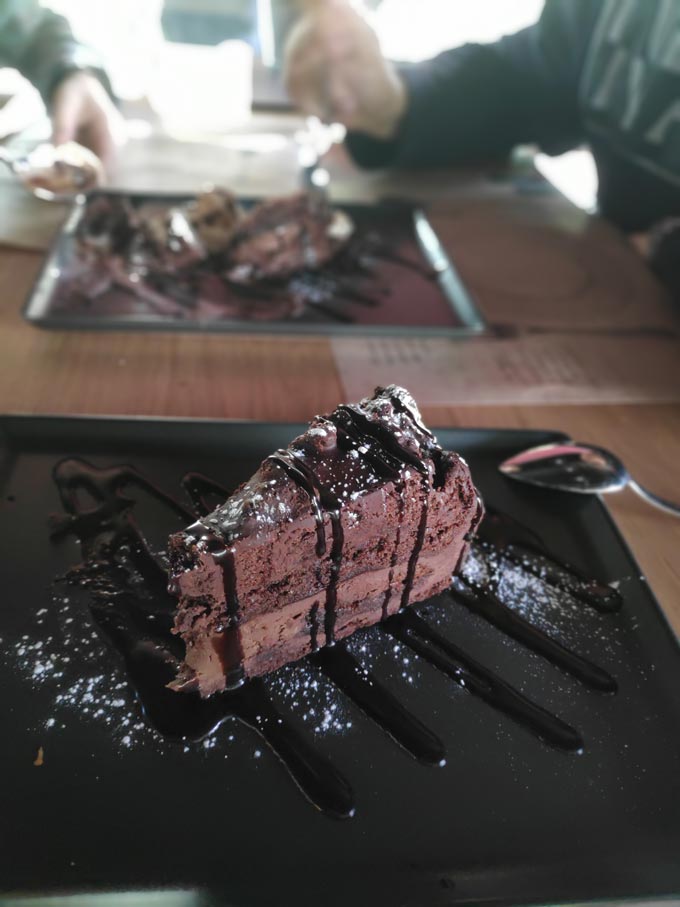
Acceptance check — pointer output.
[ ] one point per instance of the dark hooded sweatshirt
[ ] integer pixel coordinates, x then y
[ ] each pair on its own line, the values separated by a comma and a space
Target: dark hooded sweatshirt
601, 72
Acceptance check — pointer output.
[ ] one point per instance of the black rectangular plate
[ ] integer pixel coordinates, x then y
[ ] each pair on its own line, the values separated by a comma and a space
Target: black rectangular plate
507, 820
413, 303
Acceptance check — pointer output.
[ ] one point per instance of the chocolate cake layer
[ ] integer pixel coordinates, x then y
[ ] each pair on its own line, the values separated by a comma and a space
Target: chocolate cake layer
360, 516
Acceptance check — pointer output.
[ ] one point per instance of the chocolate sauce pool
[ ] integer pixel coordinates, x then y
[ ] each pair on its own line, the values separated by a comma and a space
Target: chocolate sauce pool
116, 554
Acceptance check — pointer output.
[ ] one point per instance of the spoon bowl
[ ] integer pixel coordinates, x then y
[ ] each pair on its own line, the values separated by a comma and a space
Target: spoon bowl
580, 468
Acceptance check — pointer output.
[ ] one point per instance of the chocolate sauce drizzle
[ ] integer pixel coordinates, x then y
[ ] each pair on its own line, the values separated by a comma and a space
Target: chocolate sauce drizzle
350, 278
364, 689
100, 513
297, 470
151, 666
105, 524
485, 602
230, 651
389, 457
142, 635
409, 628
314, 627
401, 504
323, 503
200, 489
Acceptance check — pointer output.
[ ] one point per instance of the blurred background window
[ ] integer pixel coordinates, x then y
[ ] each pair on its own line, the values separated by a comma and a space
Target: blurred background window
173, 52
126, 32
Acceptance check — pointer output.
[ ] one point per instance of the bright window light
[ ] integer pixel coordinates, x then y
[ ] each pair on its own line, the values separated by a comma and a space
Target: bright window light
126, 32
413, 30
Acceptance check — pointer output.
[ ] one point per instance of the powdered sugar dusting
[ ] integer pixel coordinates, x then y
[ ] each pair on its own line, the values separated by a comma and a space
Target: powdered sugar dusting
64, 654
552, 610
312, 697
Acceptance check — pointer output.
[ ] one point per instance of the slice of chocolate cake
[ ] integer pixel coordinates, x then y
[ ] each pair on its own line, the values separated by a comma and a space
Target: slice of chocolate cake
360, 516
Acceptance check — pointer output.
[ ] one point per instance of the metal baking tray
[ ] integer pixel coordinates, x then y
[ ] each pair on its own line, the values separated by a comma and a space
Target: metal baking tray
429, 300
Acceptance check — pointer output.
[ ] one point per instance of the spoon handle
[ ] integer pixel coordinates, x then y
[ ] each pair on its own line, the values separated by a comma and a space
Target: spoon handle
654, 499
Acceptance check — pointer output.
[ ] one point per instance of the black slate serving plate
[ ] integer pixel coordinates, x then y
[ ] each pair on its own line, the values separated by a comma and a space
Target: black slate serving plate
507, 820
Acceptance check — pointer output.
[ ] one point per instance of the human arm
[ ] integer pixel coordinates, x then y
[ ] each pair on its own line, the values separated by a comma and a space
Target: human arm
75, 88
468, 103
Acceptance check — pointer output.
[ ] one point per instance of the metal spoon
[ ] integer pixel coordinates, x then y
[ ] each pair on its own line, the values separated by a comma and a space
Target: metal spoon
582, 468
55, 174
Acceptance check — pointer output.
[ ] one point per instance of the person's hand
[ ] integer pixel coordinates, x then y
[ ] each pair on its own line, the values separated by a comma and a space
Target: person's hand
334, 69
83, 112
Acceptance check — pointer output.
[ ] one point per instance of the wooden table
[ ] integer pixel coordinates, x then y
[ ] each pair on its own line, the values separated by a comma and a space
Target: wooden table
275, 378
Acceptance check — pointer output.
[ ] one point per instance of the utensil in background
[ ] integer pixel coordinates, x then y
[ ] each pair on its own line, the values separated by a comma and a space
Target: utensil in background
56, 173
313, 143
448, 277
580, 468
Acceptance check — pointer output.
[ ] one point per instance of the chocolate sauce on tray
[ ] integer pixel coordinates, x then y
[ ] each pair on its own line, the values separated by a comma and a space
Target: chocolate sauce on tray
200, 489
151, 666
523, 547
485, 602
378, 703
137, 618
409, 628
129, 258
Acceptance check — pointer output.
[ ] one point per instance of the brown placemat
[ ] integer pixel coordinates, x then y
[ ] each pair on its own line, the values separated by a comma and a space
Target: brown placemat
532, 369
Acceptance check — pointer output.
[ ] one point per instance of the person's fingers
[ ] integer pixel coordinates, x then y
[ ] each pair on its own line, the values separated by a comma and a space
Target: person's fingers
314, 95
298, 85
339, 43
318, 83
83, 112
296, 72
66, 112
322, 52
305, 81
96, 135
341, 98
109, 131
314, 41
311, 105
306, 65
